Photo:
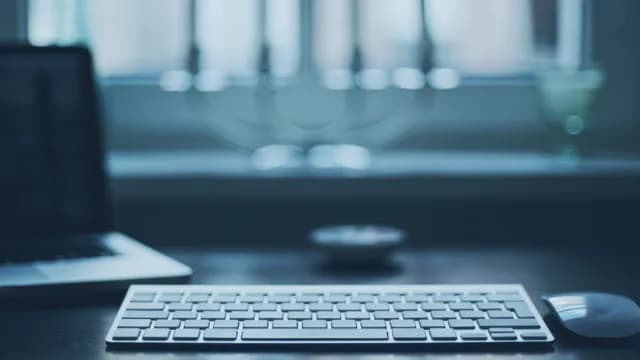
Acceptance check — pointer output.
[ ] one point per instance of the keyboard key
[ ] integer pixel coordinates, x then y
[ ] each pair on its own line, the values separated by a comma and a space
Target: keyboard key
443, 334
184, 315
264, 307
213, 315
443, 315
250, 299
533, 335
186, 334
461, 306
520, 308
320, 307
271, 315
409, 334
299, 315
462, 324
503, 330
314, 334
143, 297
170, 298
328, 315
145, 306
512, 323
145, 314
466, 314
362, 299
226, 324
241, 315
489, 306
389, 298
417, 298
498, 314
504, 297
403, 324
427, 324
343, 324
376, 307
314, 324
156, 334
169, 324
335, 298
134, 323
385, 315
292, 307
126, 334
405, 306
357, 315
433, 306
284, 324
471, 298
223, 299
236, 307
476, 335
504, 336
278, 299
373, 324
255, 324
443, 298
206, 307
181, 307
197, 298
349, 307
220, 334
196, 324
414, 315
307, 298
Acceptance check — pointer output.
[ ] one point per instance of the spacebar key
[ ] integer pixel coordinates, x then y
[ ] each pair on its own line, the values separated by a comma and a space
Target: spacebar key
314, 334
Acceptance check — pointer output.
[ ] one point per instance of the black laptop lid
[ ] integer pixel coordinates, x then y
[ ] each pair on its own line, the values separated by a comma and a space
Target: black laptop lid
52, 179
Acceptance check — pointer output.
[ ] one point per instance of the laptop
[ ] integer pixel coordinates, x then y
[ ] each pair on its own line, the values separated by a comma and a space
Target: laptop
56, 225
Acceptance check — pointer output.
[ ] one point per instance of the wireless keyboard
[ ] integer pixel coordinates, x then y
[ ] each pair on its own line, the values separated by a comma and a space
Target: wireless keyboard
238, 317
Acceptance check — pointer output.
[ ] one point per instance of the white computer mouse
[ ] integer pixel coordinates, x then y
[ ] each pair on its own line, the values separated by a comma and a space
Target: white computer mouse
596, 315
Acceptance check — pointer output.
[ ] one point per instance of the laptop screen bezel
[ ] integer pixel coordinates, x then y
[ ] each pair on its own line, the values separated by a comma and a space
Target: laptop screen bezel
101, 206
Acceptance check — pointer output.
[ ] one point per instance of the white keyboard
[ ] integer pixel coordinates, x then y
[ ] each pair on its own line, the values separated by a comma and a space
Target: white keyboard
235, 317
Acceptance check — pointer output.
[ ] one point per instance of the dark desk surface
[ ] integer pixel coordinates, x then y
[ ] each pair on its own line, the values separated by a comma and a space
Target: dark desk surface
77, 330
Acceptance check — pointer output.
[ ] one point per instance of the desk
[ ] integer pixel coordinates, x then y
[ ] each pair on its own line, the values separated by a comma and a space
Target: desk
77, 330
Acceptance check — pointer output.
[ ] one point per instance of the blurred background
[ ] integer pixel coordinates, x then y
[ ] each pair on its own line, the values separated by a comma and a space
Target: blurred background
462, 121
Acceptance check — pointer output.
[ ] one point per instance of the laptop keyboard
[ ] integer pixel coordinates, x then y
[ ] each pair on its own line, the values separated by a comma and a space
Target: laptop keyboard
236, 316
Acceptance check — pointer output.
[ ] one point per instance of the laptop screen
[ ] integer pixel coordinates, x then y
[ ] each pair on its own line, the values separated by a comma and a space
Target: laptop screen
51, 164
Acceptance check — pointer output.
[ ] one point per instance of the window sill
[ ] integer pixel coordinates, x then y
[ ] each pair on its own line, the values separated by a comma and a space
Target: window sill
397, 175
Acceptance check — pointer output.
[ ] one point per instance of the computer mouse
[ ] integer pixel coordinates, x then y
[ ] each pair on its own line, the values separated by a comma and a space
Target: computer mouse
596, 315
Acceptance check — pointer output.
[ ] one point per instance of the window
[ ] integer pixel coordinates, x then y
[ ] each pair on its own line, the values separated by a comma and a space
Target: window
139, 44
152, 36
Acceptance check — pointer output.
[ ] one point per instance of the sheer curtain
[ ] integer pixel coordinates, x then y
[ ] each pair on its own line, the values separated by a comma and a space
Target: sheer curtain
150, 36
